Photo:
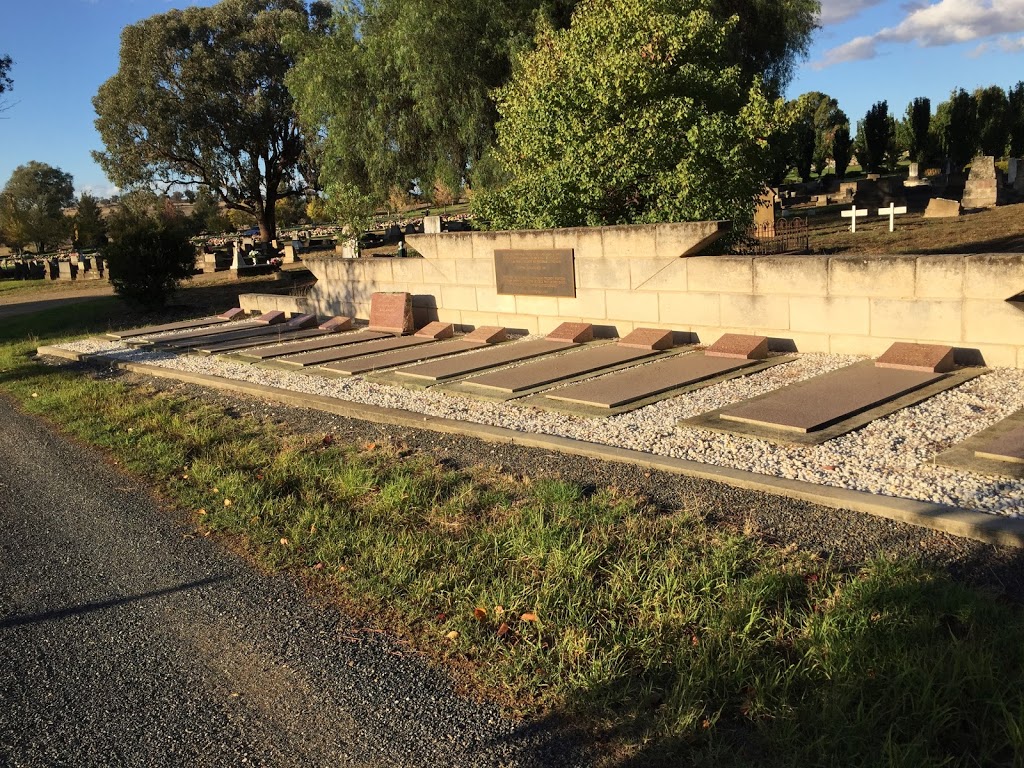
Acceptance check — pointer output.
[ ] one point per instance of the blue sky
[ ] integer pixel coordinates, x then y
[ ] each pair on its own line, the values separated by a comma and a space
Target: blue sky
866, 51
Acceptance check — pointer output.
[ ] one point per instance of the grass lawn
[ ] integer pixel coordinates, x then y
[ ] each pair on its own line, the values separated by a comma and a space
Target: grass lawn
674, 641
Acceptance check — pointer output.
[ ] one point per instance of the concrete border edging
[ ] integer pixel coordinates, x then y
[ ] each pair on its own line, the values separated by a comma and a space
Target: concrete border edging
980, 526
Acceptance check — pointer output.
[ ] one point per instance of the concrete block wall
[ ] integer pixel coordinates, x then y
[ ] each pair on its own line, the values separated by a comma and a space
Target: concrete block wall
629, 277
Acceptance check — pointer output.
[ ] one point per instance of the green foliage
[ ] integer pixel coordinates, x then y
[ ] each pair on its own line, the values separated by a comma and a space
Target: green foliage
817, 117
90, 229
993, 110
633, 114
207, 215
875, 137
199, 98
5, 74
842, 149
1015, 101
32, 207
917, 123
958, 119
147, 256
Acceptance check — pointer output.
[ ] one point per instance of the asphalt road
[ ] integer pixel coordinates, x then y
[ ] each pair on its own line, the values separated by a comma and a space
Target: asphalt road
126, 640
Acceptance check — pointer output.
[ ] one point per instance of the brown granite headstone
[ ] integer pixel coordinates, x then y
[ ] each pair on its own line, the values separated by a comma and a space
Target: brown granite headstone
436, 330
231, 314
391, 313
302, 321
487, 334
648, 338
740, 346
336, 324
271, 318
573, 333
935, 358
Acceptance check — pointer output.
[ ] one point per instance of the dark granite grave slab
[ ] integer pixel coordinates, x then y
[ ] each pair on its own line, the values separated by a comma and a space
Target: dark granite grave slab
646, 380
216, 348
936, 358
814, 411
443, 370
326, 342
181, 325
739, 346
391, 313
1007, 447
348, 351
199, 333
269, 331
824, 400
403, 356
532, 375
995, 450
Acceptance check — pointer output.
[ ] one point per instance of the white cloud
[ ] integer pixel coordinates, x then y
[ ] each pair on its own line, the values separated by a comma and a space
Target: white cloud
837, 11
100, 190
946, 22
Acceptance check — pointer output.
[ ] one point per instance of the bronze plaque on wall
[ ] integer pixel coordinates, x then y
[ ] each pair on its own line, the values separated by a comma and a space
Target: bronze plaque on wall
547, 272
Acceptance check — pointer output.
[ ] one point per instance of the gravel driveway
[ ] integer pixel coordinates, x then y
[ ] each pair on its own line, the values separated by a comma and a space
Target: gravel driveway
127, 640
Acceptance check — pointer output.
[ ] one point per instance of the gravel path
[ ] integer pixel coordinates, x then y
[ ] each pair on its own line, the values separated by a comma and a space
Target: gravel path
126, 640
891, 456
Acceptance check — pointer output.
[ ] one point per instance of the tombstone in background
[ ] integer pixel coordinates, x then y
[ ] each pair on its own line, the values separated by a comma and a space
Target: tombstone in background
237, 259
984, 188
764, 214
1015, 174
65, 270
914, 177
288, 253
941, 208
431, 225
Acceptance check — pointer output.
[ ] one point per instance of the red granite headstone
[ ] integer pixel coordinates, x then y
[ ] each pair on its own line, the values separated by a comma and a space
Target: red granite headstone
573, 333
436, 330
935, 358
336, 324
271, 318
391, 313
648, 338
301, 321
739, 346
231, 314
487, 334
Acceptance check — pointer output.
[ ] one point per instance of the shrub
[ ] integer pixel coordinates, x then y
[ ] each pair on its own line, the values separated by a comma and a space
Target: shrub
147, 259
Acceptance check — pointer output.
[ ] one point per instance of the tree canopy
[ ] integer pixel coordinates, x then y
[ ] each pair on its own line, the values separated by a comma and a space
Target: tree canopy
993, 110
199, 98
90, 229
876, 136
32, 207
916, 125
639, 112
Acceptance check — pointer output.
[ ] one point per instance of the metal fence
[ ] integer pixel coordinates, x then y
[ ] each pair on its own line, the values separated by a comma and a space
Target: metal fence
784, 236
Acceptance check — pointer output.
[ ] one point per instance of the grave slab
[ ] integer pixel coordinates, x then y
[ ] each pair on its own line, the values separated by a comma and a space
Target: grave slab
271, 318
819, 402
399, 357
444, 370
327, 341
739, 346
198, 333
933, 358
259, 331
348, 351
530, 376
232, 345
814, 411
391, 313
181, 325
336, 324
656, 339
995, 450
436, 331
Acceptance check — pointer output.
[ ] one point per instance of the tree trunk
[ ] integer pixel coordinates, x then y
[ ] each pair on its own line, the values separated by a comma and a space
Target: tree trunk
268, 221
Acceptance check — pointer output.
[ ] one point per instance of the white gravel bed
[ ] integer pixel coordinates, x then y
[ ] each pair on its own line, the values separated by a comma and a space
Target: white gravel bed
891, 456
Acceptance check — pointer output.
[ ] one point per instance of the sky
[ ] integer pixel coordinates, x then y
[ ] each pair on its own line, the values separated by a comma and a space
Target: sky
865, 51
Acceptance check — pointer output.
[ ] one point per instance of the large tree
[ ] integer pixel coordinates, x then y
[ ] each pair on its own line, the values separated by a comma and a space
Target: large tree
1015, 99
916, 124
90, 229
32, 207
199, 98
993, 110
639, 112
959, 122
875, 138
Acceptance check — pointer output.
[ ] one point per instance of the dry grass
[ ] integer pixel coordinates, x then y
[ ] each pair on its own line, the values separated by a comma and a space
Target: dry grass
999, 230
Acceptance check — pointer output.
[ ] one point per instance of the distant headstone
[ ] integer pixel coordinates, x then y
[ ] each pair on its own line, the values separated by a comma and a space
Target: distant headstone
391, 313
648, 338
1014, 168
431, 225
941, 208
935, 358
914, 173
873, 176
764, 214
271, 318
983, 188
288, 253
65, 271
853, 214
740, 346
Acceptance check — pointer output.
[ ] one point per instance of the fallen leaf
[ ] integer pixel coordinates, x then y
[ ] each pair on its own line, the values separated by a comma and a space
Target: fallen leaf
370, 447
318, 567
499, 610
529, 617
227, 502
452, 635
216, 490
35, 394
503, 629
201, 512
328, 439
284, 542
480, 613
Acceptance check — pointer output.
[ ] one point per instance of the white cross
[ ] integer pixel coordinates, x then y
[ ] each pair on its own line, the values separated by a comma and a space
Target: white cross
854, 213
892, 211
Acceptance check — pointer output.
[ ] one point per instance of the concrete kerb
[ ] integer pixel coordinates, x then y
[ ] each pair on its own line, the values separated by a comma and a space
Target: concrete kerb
991, 529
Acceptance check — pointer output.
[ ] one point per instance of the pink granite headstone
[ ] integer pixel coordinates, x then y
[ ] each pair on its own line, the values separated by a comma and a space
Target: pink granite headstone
436, 330
573, 333
271, 318
231, 314
936, 358
648, 338
336, 324
391, 313
487, 334
739, 346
